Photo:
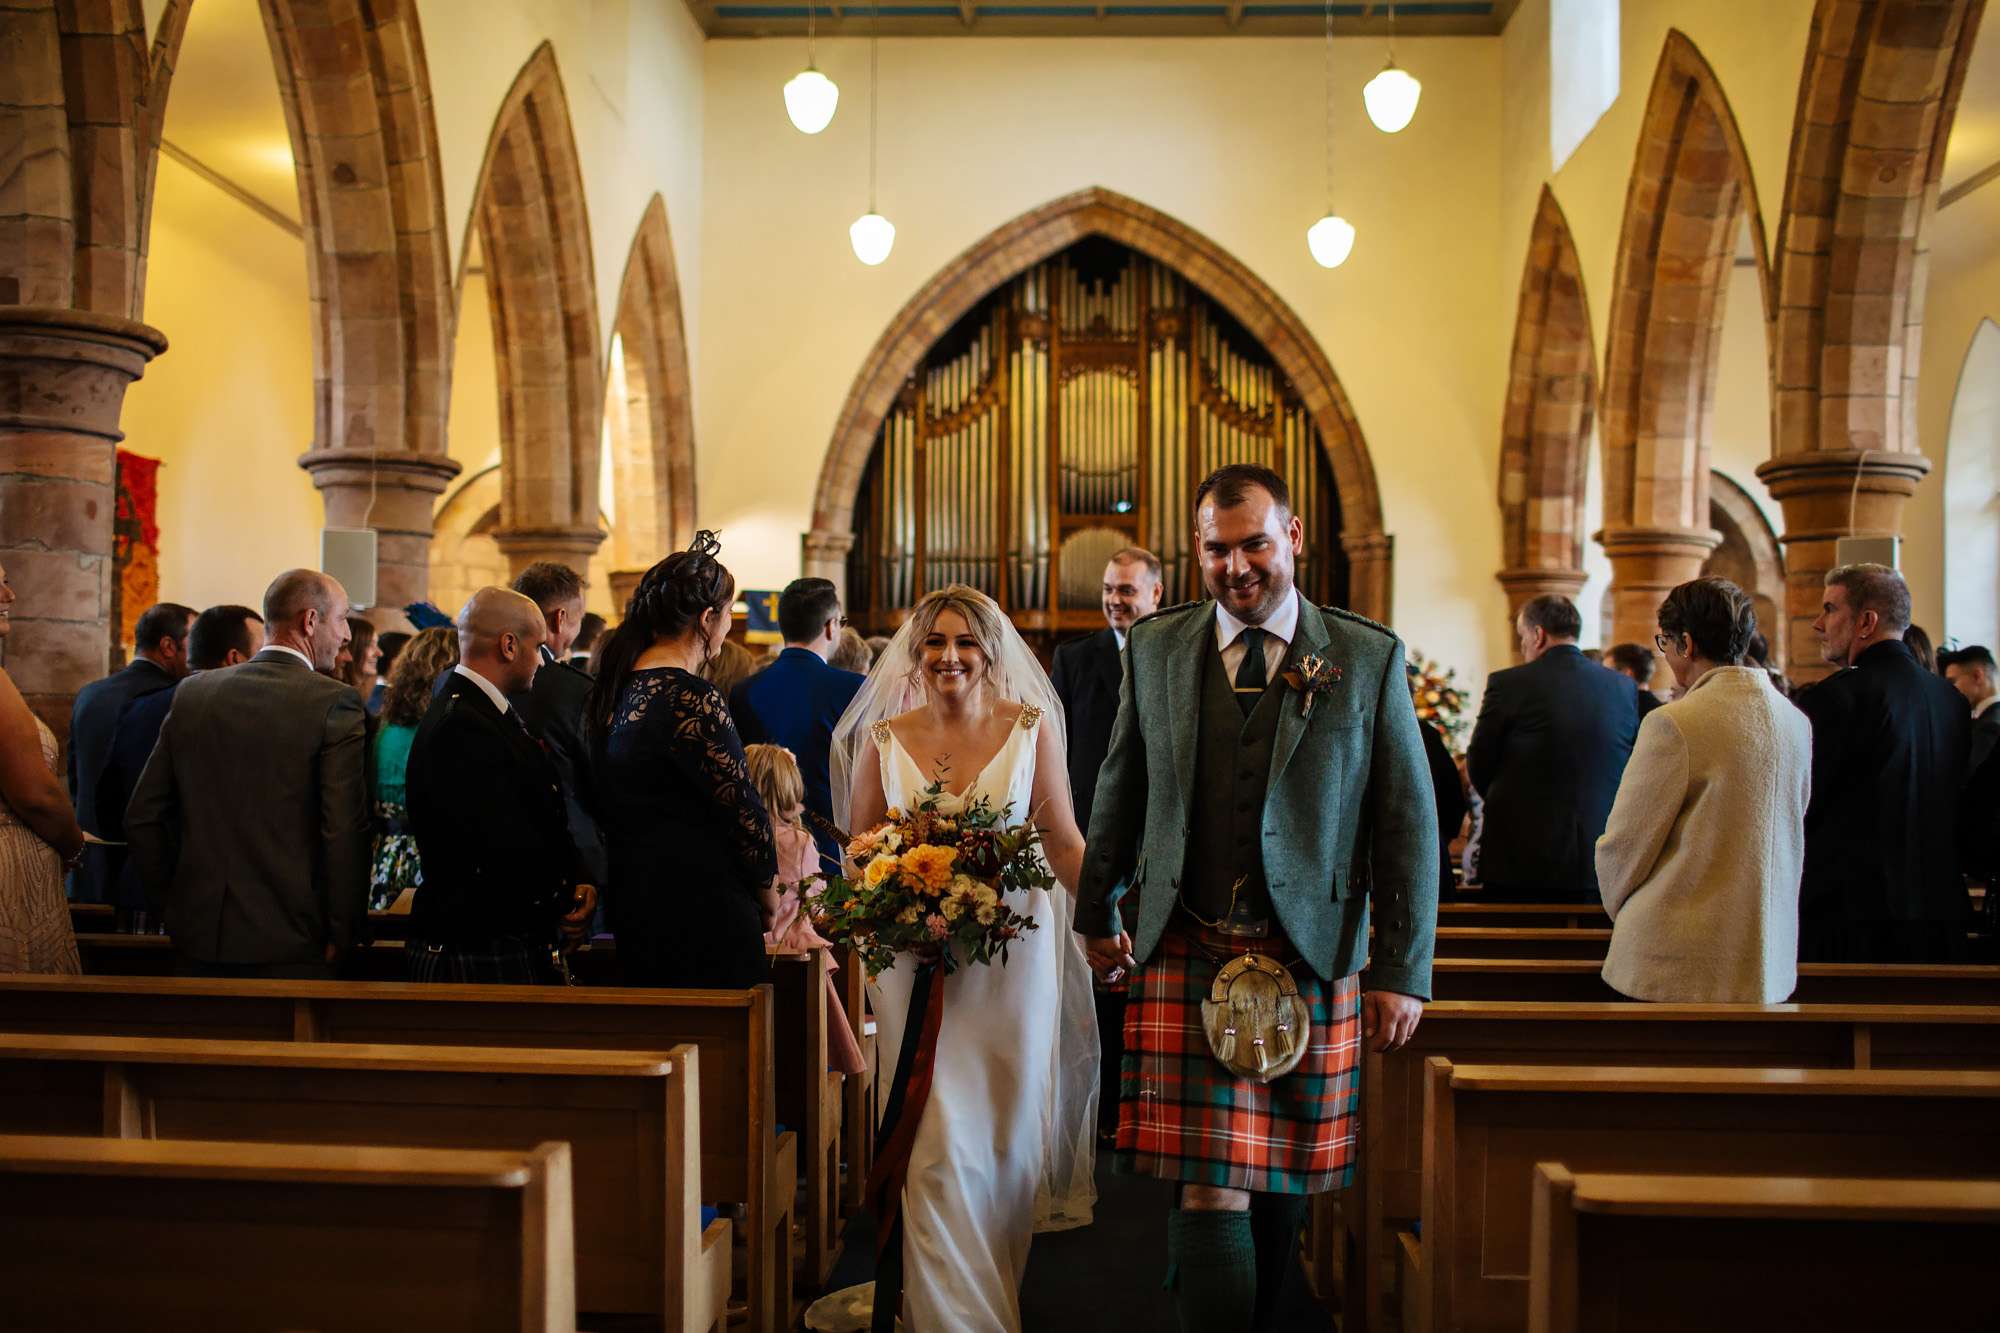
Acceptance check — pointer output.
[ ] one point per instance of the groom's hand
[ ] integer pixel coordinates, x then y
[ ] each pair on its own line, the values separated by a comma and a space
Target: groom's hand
1388, 1020
1110, 955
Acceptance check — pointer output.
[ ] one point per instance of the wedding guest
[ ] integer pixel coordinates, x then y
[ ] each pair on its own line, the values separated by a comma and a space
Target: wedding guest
1919, 644
852, 653
1636, 662
877, 644
500, 872
730, 667
1889, 743
1971, 671
1448, 789
1699, 864
1551, 741
553, 706
1759, 656
395, 869
39, 834
774, 771
159, 662
688, 841
221, 636
797, 700
389, 644
589, 633
250, 823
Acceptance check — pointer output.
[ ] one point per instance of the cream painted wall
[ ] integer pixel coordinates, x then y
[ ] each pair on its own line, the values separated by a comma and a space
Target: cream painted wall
1223, 135
228, 409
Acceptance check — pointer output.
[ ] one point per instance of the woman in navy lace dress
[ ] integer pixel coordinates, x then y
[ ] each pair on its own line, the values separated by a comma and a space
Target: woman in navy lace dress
689, 841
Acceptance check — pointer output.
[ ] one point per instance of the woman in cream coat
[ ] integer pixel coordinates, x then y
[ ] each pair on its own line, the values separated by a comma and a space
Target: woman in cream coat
1699, 865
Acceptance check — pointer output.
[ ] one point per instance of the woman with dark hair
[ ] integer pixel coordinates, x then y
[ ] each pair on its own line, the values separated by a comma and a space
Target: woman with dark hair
1700, 862
688, 840
394, 869
357, 667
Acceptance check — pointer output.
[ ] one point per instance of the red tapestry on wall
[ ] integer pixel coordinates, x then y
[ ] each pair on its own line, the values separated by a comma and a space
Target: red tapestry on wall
135, 543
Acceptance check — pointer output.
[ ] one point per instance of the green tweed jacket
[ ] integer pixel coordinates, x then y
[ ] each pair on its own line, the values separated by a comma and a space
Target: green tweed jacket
1349, 816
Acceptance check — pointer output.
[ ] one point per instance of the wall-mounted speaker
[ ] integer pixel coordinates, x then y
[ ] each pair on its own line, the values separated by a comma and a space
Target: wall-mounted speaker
349, 555
1867, 551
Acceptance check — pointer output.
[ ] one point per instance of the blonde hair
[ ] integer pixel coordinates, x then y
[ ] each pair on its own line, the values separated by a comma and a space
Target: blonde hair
731, 666
774, 772
981, 615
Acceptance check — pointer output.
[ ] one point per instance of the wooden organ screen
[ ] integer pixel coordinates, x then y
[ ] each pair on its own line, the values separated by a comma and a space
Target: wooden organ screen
1071, 413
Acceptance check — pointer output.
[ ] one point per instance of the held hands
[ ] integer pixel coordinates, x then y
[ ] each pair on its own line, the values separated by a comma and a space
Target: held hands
576, 922
1388, 1020
1110, 955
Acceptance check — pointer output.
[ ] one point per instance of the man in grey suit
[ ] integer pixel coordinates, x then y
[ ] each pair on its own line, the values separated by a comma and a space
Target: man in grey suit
1266, 785
250, 823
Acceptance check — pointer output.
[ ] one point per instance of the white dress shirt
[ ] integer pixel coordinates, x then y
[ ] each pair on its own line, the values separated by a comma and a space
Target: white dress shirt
492, 691
1119, 635
1278, 630
287, 648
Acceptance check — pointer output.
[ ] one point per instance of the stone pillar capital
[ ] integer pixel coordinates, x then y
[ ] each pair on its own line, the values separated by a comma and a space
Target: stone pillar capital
1370, 556
1671, 544
1647, 564
824, 555
624, 582
566, 546
393, 491
400, 468
1524, 585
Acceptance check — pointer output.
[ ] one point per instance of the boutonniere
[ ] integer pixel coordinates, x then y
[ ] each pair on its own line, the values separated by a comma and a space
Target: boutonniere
1312, 677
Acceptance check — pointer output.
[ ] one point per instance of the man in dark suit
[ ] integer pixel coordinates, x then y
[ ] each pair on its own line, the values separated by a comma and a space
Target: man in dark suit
553, 705
1971, 671
486, 805
250, 823
1087, 670
1547, 752
222, 636
798, 699
158, 663
1636, 662
1889, 741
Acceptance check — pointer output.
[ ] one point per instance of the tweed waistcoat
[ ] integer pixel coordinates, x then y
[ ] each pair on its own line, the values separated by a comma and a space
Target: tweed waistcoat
1232, 769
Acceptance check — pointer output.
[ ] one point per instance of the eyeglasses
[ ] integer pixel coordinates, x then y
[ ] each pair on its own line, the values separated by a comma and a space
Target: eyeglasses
1664, 642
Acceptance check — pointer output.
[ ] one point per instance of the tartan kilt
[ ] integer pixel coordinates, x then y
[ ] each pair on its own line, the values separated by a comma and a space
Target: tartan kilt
501, 962
1182, 1116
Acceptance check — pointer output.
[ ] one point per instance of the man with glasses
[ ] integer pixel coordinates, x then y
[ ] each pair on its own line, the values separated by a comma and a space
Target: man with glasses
1547, 752
795, 701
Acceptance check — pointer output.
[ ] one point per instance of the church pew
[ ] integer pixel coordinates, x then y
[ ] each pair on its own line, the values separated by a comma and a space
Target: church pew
858, 1096
235, 1237
732, 1029
1486, 1126
1572, 981
1467, 912
809, 1097
631, 1120
1387, 1190
1743, 1254
1522, 942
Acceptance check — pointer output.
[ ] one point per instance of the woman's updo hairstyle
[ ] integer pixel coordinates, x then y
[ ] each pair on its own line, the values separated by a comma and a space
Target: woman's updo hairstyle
1716, 614
669, 601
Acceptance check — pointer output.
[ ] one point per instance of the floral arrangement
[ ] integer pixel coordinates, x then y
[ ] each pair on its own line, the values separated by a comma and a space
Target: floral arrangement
933, 881
1439, 700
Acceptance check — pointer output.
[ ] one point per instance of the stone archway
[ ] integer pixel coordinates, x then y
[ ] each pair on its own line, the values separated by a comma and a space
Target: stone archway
535, 235
1545, 438
1749, 556
650, 416
1691, 188
1028, 240
1876, 101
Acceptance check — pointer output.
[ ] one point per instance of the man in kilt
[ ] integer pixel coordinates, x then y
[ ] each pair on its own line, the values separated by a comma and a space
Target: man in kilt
1265, 782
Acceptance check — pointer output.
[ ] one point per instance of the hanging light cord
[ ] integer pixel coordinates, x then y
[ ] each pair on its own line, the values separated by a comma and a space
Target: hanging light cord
1329, 106
812, 14
874, 32
1392, 31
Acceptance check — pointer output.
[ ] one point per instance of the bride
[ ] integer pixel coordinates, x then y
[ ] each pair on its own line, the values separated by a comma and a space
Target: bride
1004, 1147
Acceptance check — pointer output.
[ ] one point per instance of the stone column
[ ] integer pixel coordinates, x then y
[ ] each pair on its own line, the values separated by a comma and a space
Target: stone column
565, 546
63, 375
1524, 585
393, 492
824, 556
624, 582
1829, 494
1646, 563
1370, 565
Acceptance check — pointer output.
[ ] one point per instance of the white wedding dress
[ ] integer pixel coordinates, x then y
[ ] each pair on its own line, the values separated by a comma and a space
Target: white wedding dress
982, 1152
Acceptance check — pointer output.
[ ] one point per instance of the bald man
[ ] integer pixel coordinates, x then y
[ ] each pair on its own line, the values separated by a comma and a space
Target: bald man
502, 888
250, 822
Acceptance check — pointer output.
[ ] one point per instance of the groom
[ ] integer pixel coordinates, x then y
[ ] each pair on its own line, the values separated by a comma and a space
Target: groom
1250, 812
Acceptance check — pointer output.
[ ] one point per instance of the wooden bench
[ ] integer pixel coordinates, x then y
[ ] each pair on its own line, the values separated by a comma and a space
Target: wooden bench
858, 1097
1467, 912
743, 1160
1523, 942
1745, 1254
1576, 981
1386, 1196
809, 1097
103, 1233
1487, 1126
631, 1121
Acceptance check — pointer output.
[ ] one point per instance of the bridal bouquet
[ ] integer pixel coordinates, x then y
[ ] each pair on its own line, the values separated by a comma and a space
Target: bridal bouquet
933, 877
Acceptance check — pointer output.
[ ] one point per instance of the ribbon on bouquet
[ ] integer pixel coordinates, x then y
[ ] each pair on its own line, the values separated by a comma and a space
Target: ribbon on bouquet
903, 1112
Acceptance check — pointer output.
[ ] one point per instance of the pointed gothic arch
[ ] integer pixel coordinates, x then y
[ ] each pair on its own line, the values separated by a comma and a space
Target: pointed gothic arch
1034, 237
1551, 405
534, 232
1690, 190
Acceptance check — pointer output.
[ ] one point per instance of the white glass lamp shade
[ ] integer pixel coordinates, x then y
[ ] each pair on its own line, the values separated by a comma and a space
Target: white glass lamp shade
873, 236
1331, 240
810, 98
1391, 98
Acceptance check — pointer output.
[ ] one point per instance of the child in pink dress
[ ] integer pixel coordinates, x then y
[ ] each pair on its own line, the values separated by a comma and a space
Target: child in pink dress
774, 771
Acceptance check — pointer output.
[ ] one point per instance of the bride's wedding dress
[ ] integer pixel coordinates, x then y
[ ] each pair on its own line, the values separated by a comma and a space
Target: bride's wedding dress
994, 1157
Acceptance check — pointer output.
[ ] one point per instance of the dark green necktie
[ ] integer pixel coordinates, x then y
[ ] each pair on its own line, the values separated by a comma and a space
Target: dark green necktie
1250, 675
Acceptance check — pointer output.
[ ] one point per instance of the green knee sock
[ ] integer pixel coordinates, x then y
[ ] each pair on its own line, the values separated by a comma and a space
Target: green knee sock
1275, 1221
1213, 1268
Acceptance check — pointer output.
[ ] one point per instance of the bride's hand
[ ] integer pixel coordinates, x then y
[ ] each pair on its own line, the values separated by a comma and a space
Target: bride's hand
1109, 955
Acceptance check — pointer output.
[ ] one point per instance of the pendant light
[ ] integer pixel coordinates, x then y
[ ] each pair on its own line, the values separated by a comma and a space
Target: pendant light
1331, 239
872, 235
810, 96
1391, 96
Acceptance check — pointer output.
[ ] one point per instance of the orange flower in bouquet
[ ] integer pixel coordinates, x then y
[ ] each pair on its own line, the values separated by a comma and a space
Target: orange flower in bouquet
933, 881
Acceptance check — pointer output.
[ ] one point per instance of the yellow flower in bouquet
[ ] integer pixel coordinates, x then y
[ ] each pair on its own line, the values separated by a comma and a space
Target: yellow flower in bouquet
928, 867
880, 869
